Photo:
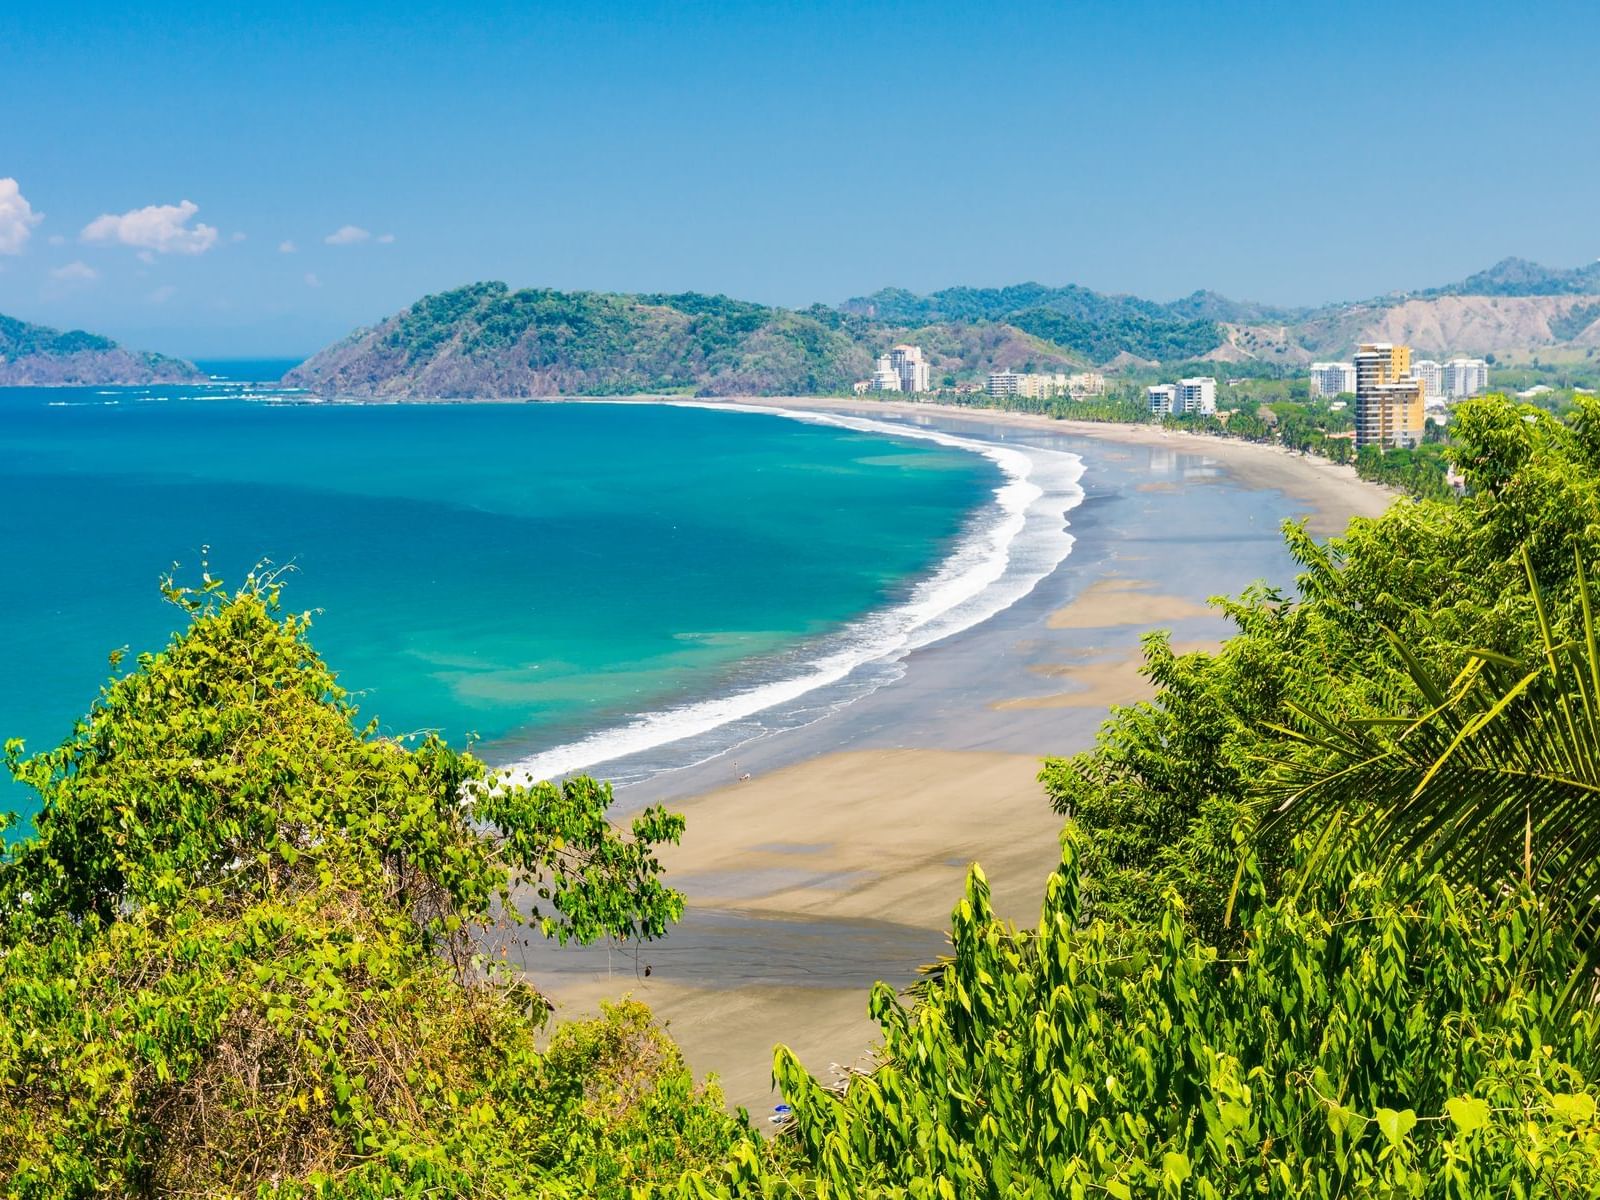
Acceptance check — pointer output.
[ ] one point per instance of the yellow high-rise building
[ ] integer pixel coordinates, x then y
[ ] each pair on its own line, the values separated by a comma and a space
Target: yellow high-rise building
1389, 401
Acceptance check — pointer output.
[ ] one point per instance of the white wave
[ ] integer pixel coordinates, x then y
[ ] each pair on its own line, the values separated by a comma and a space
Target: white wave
1020, 541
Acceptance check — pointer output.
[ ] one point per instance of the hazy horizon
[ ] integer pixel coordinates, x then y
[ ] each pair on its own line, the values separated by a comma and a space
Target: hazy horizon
218, 185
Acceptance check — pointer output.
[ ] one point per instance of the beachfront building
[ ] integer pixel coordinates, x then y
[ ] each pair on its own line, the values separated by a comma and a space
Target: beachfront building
1198, 395
1333, 378
1003, 383
1086, 383
1463, 377
1432, 376
1389, 399
885, 378
908, 364
1162, 398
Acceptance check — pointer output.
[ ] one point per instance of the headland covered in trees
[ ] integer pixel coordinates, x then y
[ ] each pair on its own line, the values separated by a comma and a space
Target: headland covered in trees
1320, 921
488, 340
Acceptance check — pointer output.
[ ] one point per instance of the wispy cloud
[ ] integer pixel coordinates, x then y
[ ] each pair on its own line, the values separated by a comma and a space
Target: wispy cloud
237, 237
347, 235
312, 280
17, 217
162, 294
287, 247
75, 272
385, 239
154, 229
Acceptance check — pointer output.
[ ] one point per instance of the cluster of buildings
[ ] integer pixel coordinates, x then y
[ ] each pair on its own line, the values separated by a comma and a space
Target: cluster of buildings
1039, 386
903, 369
1453, 380
1197, 395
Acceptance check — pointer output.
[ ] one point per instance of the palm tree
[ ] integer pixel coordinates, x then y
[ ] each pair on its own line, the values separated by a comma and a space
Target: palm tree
1496, 782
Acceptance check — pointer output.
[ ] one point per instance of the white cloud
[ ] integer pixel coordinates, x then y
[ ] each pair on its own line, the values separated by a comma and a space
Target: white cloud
162, 294
75, 272
56, 239
385, 239
312, 280
158, 228
347, 235
17, 218
287, 247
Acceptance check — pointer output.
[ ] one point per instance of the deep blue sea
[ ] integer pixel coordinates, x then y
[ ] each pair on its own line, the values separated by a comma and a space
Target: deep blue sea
568, 583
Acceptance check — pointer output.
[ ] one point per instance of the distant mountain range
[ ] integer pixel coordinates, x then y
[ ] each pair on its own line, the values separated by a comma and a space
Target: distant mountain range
488, 340
36, 356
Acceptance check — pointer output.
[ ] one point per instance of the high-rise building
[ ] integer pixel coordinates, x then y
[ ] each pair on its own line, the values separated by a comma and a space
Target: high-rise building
1333, 378
1197, 395
907, 363
1432, 376
1163, 398
1463, 377
885, 378
1389, 399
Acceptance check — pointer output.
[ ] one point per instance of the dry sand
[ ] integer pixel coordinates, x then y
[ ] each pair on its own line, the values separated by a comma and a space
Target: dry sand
1108, 603
860, 848
1099, 684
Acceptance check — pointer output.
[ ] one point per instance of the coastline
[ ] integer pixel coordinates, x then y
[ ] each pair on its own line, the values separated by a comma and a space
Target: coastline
821, 858
1334, 491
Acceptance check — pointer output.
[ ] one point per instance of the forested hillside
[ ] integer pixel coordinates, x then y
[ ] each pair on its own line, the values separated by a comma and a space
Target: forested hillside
37, 356
486, 340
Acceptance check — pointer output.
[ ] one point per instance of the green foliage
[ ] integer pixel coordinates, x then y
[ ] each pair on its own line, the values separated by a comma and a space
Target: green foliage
1494, 781
18, 338
246, 951
540, 342
1418, 471
1075, 318
1169, 780
1377, 1036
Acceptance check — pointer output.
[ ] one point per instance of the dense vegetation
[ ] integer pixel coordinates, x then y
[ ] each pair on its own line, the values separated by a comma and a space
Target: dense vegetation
487, 340
1079, 320
18, 338
38, 355
1321, 926
249, 949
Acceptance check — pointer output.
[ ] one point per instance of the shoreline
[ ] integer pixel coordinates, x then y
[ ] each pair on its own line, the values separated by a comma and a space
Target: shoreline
821, 858
1335, 490
978, 577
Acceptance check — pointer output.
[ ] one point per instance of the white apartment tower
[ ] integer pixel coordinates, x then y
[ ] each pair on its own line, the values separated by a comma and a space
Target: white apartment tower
1163, 399
1198, 395
908, 365
1432, 376
1463, 377
885, 378
1333, 378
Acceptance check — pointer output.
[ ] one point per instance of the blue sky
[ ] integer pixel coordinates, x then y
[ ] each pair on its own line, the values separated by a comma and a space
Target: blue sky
784, 153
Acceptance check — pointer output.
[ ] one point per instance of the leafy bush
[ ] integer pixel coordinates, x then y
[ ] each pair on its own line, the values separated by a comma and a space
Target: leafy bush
246, 951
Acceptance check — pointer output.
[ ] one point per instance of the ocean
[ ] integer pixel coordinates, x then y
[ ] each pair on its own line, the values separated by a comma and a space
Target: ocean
568, 584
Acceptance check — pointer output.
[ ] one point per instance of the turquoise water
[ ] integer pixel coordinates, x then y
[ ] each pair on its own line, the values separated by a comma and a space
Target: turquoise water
525, 573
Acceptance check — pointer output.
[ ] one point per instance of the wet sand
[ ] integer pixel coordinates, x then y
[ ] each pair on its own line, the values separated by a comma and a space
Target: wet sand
820, 859
807, 885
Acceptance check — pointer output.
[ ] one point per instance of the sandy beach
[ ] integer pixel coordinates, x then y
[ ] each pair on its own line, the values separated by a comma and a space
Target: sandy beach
823, 858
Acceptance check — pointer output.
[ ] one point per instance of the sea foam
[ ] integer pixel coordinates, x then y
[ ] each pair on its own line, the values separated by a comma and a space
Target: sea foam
1009, 547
